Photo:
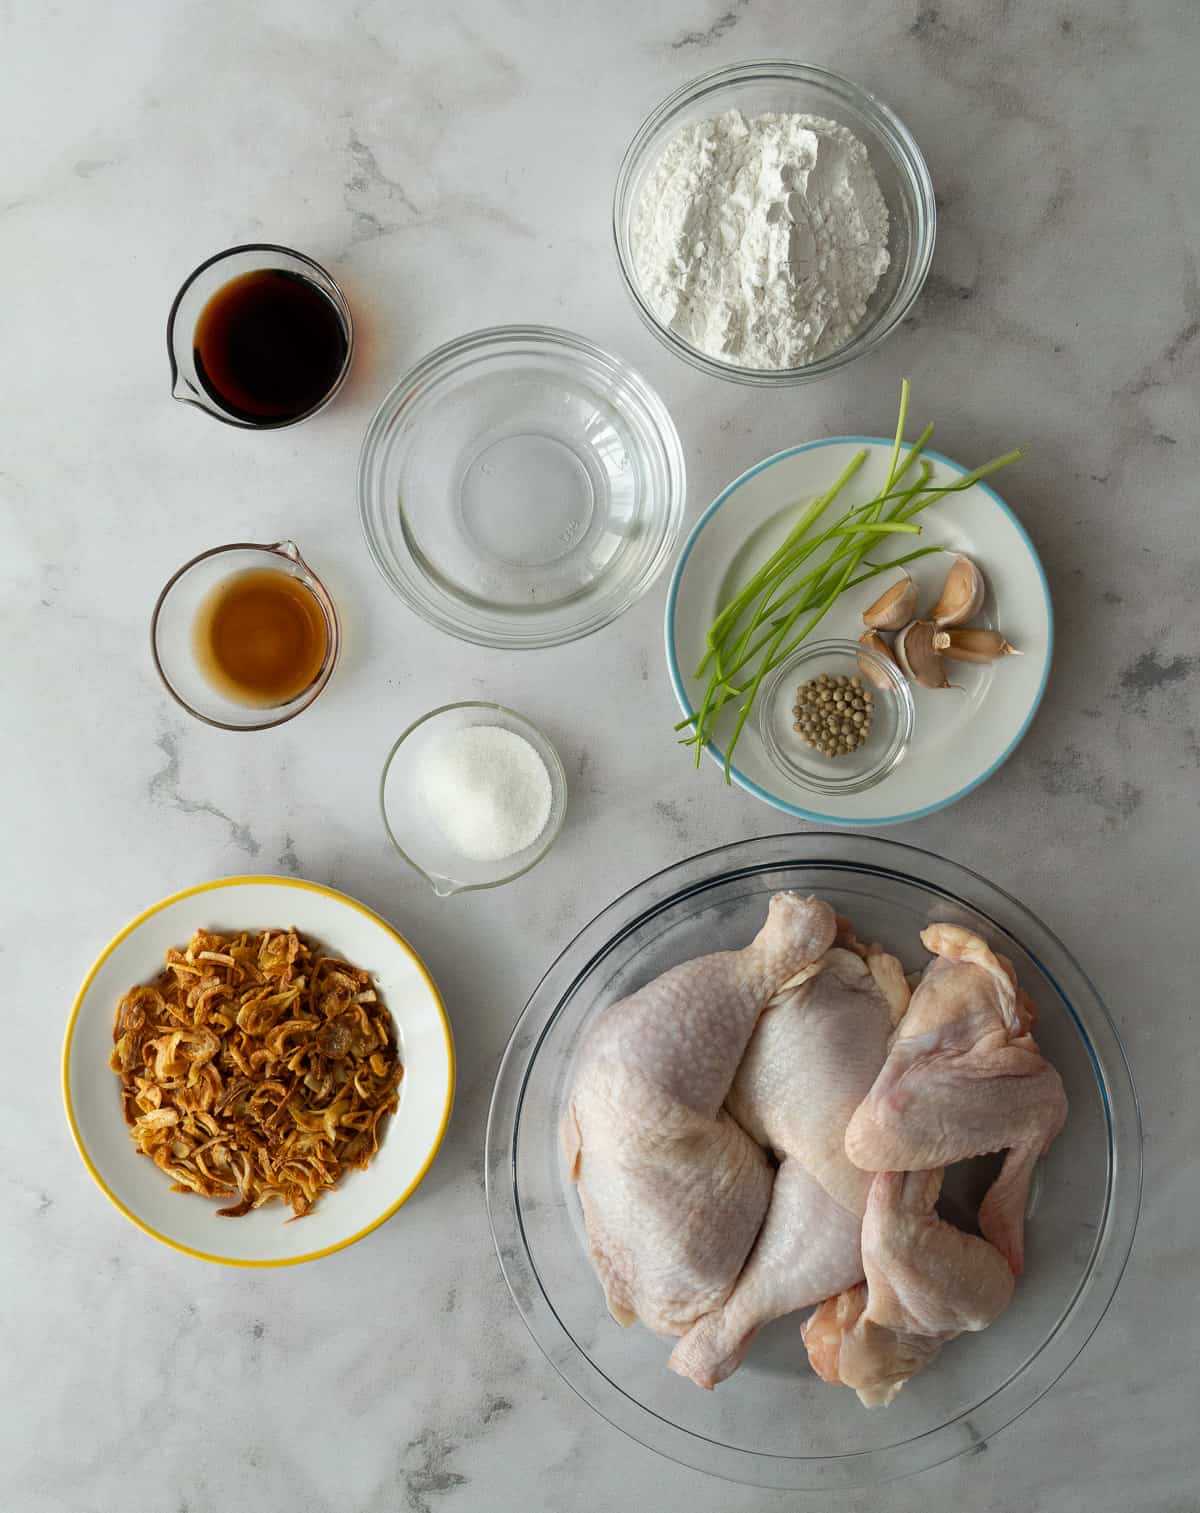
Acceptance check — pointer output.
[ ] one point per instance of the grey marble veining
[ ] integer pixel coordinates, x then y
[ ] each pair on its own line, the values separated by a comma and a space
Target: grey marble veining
454, 164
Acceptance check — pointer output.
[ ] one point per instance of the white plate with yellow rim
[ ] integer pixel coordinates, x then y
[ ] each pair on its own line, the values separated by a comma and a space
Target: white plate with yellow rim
961, 736
362, 1200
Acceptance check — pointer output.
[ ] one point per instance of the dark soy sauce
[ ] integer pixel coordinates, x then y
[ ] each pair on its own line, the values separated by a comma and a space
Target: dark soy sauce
269, 346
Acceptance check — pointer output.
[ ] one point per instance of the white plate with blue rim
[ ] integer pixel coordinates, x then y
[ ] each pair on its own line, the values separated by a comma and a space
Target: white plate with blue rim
959, 736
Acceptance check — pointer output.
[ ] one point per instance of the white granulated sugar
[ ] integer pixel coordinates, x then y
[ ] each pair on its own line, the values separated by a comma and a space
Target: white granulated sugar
487, 790
760, 239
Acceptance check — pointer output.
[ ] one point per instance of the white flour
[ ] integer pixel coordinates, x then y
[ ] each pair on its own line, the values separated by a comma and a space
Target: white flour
760, 239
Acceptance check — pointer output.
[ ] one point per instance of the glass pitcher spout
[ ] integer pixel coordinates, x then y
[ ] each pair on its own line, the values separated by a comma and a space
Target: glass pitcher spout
184, 392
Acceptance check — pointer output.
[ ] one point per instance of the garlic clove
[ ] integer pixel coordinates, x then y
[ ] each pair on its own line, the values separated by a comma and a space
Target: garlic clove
918, 657
873, 641
894, 608
973, 645
961, 597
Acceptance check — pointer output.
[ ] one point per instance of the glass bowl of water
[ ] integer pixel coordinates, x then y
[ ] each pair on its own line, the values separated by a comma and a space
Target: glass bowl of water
521, 487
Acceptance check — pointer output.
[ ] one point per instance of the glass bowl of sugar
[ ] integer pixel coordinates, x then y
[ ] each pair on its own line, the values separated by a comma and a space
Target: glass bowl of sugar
473, 795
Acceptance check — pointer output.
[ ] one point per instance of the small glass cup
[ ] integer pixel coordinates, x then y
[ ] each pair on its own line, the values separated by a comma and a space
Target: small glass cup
173, 626
891, 724
199, 287
411, 828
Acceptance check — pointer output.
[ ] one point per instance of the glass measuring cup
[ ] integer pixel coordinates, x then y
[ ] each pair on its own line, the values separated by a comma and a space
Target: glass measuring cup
215, 274
173, 623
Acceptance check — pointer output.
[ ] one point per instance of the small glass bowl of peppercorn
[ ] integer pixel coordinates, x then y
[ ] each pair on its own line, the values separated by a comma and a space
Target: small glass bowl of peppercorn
836, 717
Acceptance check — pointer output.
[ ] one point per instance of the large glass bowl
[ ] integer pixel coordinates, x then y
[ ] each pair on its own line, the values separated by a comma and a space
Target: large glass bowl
521, 487
775, 85
774, 1424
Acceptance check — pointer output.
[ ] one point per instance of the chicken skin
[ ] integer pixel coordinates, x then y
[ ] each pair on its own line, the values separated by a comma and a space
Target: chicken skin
812, 1058
673, 1190
926, 1283
761, 1130
964, 1077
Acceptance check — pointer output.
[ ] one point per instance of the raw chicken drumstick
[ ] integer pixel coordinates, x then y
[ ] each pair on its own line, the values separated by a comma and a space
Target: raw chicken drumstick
926, 1282
673, 1191
964, 1077
811, 1060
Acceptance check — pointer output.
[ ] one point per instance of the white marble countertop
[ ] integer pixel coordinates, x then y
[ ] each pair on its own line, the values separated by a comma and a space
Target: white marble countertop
453, 164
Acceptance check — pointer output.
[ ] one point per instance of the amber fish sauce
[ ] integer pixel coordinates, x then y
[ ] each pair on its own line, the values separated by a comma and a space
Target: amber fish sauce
261, 637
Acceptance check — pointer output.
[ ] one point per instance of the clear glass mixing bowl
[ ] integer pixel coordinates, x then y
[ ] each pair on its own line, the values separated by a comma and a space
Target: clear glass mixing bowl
521, 487
774, 1424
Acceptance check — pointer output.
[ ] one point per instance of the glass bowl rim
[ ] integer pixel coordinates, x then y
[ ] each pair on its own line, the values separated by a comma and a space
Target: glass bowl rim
902, 148
558, 786
490, 341
319, 592
1004, 1404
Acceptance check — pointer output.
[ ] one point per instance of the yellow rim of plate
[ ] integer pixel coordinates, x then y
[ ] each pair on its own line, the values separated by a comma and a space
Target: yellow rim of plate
233, 882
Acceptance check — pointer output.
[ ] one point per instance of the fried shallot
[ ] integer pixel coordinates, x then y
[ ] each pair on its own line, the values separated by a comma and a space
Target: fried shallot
256, 1067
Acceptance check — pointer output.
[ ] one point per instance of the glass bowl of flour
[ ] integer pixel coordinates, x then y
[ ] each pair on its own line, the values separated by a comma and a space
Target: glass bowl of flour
773, 222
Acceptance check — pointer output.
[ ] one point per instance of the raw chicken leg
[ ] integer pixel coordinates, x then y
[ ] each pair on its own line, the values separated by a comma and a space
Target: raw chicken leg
816, 1050
812, 1059
673, 1191
926, 1283
807, 1248
964, 1077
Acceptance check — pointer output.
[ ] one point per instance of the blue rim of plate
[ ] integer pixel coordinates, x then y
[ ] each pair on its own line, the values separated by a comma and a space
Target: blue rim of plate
715, 752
